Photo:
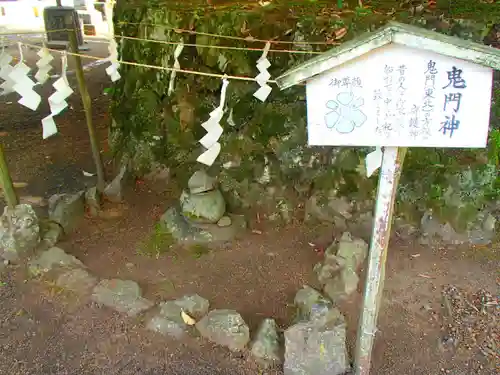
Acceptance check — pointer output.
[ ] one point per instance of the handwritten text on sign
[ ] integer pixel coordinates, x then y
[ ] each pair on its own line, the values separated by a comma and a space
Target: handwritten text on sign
399, 96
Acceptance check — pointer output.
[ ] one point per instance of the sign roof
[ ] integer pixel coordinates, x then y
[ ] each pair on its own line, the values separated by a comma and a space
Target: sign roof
398, 33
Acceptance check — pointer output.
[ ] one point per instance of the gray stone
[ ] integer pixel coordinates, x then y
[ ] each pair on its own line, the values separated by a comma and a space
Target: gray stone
169, 321
225, 327
181, 230
19, 232
316, 349
67, 209
51, 234
207, 207
93, 201
124, 296
344, 284
352, 251
328, 208
167, 327
187, 232
200, 182
77, 280
433, 230
194, 305
362, 225
311, 305
266, 346
51, 259
114, 190
224, 221
326, 271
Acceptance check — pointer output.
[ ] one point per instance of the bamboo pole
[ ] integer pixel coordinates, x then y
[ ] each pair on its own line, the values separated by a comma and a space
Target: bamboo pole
390, 172
87, 103
6, 181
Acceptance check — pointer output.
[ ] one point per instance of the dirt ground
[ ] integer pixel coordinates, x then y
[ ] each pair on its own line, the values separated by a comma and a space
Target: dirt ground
44, 330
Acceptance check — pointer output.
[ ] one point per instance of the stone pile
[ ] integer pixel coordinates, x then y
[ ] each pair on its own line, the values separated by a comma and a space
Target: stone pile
337, 274
201, 215
316, 343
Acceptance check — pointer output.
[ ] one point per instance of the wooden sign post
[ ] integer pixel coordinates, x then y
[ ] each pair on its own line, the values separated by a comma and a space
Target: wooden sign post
398, 87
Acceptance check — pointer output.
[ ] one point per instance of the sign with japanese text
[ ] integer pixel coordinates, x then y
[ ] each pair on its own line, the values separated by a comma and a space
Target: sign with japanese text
399, 96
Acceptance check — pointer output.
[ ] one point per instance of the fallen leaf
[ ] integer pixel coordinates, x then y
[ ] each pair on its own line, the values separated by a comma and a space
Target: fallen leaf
340, 33
4, 134
20, 184
36, 201
87, 174
425, 276
255, 231
187, 319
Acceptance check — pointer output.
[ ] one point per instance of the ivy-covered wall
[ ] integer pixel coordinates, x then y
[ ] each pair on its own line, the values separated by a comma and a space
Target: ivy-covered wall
264, 157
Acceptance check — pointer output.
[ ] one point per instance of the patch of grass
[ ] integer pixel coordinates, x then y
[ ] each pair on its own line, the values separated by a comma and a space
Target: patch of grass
159, 242
198, 250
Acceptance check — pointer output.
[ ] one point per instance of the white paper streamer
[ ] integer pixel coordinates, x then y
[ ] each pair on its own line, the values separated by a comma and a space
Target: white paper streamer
373, 161
57, 101
23, 84
5, 70
177, 65
214, 130
112, 70
44, 67
262, 65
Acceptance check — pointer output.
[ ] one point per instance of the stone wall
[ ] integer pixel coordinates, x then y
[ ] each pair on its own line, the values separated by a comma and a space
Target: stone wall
265, 159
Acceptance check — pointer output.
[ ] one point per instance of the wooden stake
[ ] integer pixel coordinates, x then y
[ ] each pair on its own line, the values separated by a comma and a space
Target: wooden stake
390, 172
87, 104
6, 181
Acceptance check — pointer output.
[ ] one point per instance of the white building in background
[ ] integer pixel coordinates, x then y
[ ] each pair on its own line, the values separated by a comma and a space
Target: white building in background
27, 15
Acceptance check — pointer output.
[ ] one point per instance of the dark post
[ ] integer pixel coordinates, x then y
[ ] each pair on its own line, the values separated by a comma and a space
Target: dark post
87, 105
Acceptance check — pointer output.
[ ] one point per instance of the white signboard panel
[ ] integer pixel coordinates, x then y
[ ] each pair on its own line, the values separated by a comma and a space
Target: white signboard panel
399, 96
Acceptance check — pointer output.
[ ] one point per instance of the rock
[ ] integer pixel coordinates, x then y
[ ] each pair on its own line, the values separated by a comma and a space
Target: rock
19, 232
266, 346
167, 327
342, 285
51, 234
328, 208
433, 230
187, 232
224, 221
311, 305
169, 320
194, 305
225, 327
77, 280
53, 258
318, 349
181, 230
326, 271
93, 201
207, 207
353, 252
362, 225
124, 296
67, 209
113, 191
200, 182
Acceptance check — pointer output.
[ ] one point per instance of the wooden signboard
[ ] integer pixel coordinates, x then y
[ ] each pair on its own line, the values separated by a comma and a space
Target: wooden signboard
55, 19
402, 97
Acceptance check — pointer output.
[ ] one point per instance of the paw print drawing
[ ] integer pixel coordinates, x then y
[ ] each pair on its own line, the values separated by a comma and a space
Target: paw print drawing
345, 114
